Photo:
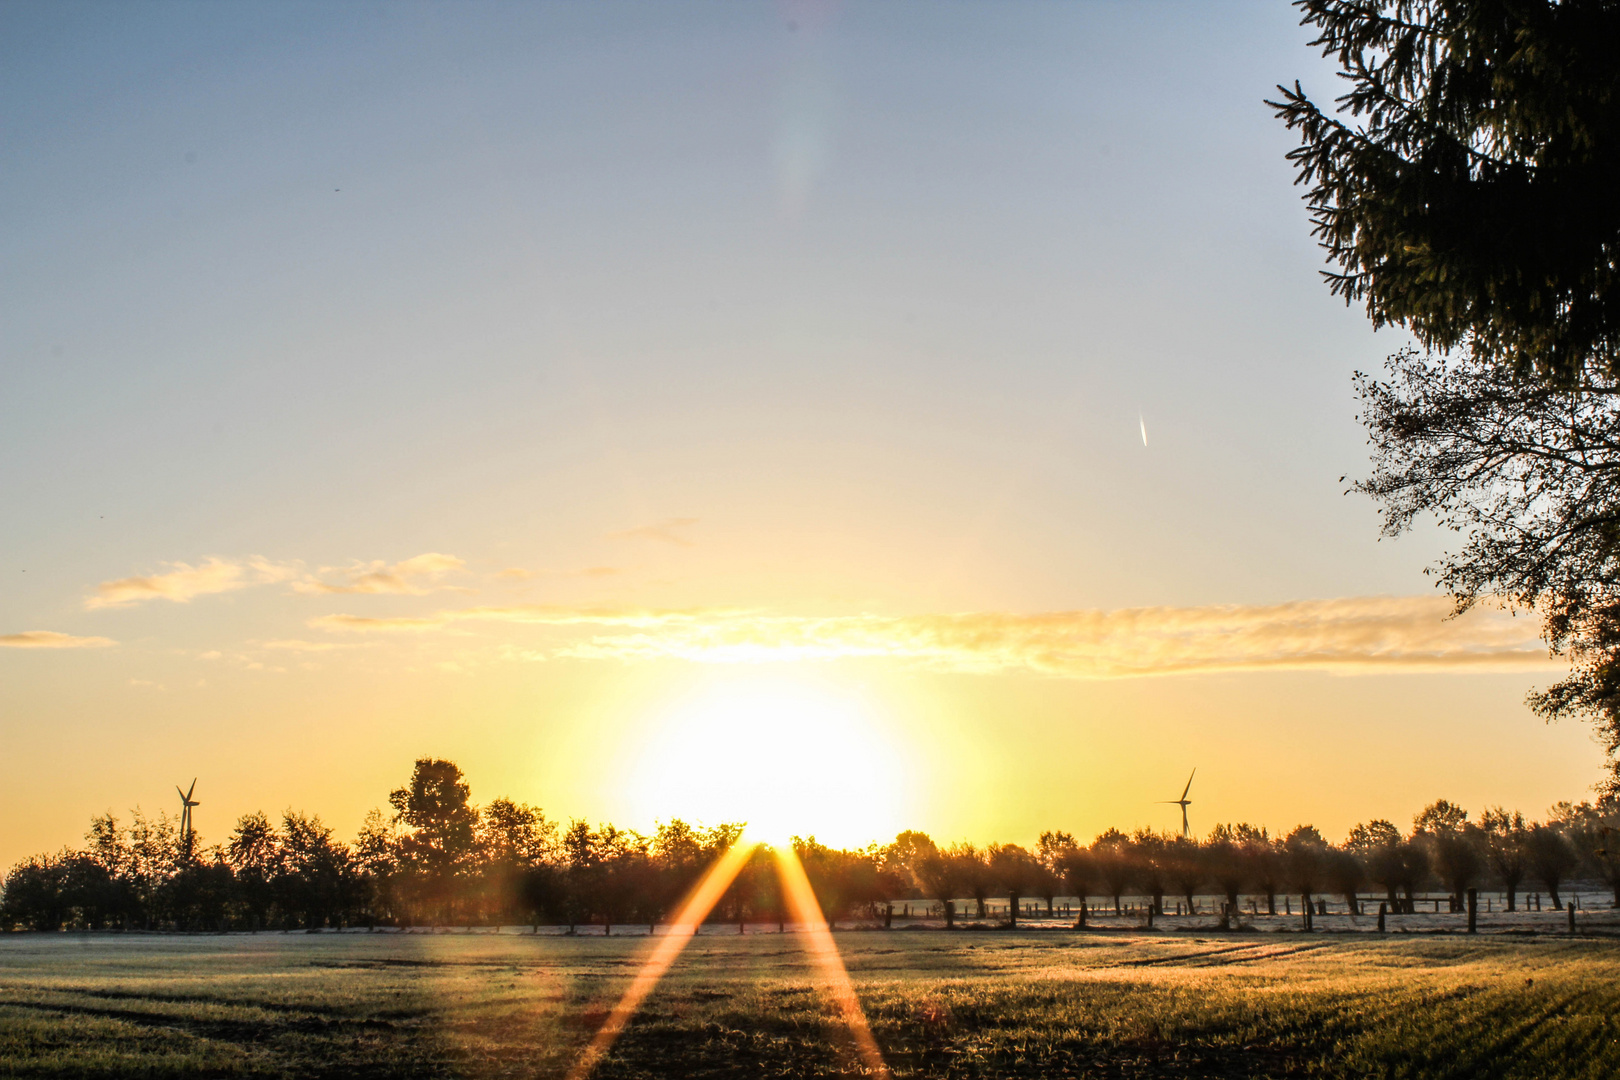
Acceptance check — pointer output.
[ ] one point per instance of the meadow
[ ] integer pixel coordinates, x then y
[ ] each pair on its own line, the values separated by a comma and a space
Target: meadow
1025, 1003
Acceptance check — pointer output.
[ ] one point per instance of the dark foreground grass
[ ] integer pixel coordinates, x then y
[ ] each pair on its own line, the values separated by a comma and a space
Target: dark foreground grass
1030, 1004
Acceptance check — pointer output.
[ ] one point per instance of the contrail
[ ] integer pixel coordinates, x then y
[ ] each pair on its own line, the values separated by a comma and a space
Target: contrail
1143, 422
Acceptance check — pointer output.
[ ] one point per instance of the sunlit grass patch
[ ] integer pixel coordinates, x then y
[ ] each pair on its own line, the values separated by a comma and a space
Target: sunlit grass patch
1036, 1004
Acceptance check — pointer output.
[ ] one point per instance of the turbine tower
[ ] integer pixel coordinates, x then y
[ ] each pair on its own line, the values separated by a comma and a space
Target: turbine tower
1183, 802
186, 803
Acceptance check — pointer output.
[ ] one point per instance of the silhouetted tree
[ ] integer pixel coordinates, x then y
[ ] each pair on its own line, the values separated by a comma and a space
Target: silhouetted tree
1225, 864
540, 893
34, 896
198, 895
1184, 862
1077, 868
1551, 859
254, 852
1016, 871
1505, 853
1149, 859
1344, 873
1455, 848
90, 891
107, 845
1262, 864
1056, 850
1390, 861
1466, 192
512, 837
841, 880
972, 874
1112, 855
315, 873
1595, 833
376, 863
1049, 849
622, 863
441, 829
936, 874
1305, 857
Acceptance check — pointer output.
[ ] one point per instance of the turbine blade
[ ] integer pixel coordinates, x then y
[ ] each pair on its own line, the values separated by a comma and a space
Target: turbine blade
1189, 784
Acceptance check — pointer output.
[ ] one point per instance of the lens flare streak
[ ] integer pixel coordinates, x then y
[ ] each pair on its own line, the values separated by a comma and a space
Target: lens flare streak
698, 904
802, 907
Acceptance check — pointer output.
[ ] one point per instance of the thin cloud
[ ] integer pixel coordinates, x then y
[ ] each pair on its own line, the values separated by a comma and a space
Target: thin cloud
387, 624
514, 573
1353, 634
1345, 635
296, 645
530, 614
668, 531
412, 577
184, 582
50, 639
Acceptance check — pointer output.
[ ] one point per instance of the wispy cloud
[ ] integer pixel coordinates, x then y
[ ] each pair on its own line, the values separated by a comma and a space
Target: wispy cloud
530, 614
184, 582
1350, 634
50, 639
668, 531
513, 573
412, 577
1346, 634
296, 645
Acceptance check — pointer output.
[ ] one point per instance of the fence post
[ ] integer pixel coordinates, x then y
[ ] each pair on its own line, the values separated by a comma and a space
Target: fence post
1473, 909
1381, 908
1570, 909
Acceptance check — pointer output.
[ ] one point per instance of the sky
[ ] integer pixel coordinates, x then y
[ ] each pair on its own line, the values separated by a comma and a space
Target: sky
862, 416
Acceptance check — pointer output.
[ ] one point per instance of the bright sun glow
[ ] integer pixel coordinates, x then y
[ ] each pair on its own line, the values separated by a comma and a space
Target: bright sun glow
789, 759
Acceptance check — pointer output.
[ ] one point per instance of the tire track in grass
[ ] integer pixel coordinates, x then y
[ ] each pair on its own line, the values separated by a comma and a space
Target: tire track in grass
1259, 950
1546, 1029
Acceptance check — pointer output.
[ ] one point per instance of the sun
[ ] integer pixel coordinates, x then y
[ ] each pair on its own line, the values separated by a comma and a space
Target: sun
789, 758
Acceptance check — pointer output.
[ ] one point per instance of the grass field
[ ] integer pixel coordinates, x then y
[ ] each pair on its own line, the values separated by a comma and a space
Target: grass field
1024, 1004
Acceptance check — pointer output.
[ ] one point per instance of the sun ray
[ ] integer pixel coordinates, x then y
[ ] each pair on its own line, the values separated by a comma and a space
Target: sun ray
698, 904
805, 909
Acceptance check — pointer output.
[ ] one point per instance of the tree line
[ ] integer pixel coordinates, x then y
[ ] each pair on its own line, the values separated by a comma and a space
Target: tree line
434, 858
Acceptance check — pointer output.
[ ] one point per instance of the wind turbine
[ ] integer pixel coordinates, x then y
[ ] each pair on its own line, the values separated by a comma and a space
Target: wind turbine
1183, 802
186, 803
